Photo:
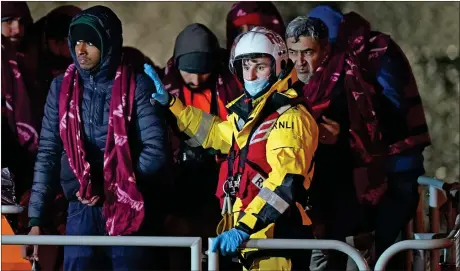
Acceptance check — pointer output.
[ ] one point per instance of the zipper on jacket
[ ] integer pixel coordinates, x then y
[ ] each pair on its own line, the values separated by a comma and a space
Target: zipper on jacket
91, 108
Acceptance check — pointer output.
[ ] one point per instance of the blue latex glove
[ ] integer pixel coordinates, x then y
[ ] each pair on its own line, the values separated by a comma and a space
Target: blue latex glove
161, 95
229, 241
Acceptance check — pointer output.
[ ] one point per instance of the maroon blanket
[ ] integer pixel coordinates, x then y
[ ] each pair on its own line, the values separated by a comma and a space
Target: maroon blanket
123, 203
417, 135
22, 121
351, 56
18, 109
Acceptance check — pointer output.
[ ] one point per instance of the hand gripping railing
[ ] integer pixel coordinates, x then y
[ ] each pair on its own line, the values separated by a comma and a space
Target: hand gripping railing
213, 258
450, 240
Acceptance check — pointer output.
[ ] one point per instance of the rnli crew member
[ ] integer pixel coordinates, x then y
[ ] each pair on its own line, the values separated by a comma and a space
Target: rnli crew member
270, 138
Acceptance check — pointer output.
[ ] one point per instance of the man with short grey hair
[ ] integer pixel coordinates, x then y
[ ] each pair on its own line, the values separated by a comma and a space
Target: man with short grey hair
307, 40
308, 45
371, 125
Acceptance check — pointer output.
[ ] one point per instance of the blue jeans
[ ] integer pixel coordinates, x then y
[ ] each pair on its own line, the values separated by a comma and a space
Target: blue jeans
87, 220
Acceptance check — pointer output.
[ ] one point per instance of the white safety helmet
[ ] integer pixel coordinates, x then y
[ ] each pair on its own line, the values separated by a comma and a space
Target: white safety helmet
256, 42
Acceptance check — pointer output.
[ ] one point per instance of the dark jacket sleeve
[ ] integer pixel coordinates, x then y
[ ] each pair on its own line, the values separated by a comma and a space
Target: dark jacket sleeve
150, 129
46, 173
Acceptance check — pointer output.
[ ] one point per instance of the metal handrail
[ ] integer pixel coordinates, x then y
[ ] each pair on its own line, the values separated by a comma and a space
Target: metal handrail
213, 257
193, 242
447, 242
438, 197
12, 209
428, 181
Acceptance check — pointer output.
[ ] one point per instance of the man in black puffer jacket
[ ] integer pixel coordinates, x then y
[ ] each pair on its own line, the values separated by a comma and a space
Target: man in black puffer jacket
95, 42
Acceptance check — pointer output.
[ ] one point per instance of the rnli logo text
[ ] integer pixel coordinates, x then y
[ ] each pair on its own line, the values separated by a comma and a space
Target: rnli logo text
284, 125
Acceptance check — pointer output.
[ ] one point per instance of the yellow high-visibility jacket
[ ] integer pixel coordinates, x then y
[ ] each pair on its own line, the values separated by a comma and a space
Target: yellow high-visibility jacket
288, 151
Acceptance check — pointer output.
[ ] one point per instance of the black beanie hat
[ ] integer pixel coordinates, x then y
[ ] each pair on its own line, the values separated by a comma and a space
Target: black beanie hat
196, 50
197, 62
87, 33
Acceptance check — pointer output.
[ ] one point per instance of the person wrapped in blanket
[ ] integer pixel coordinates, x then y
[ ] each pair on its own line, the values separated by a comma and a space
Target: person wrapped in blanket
104, 144
366, 101
21, 115
270, 138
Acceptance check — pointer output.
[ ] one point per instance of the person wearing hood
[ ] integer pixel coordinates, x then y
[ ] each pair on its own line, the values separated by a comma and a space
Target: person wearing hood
18, 82
17, 28
375, 114
20, 118
245, 15
270, 139
198, 76
106, 142
22, 110
16, 22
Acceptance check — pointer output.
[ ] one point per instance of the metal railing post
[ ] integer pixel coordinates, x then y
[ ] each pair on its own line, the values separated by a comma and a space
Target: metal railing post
84, 240
195, 263
213, 257
447, 242
410, 244
434, 202
297, 244
194, 243
12, 209
437, 197
457, 252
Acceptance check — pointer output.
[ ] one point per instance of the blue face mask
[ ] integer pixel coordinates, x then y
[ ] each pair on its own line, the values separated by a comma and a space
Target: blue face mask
254, 87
